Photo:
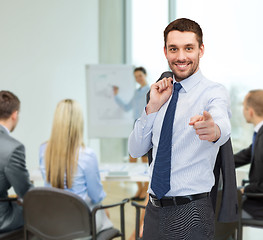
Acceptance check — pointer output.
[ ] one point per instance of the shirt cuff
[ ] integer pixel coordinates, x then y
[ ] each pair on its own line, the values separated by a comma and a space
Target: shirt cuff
225, 132
147, 120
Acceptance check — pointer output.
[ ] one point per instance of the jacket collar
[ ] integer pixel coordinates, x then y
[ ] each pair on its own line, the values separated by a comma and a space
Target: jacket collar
4, 130
260, 131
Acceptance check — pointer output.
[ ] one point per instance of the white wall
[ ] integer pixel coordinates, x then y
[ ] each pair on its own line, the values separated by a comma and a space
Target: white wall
44, 47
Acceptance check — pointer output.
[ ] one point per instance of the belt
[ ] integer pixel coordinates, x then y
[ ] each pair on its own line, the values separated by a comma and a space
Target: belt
173, 201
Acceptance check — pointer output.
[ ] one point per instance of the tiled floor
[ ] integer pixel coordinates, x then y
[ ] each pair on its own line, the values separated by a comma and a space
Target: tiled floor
116, 191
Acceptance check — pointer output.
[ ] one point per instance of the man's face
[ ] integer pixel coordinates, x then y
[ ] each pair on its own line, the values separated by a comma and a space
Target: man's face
140, 77
183, 53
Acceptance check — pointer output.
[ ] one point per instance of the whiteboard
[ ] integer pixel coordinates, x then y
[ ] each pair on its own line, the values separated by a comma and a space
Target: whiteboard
105, 118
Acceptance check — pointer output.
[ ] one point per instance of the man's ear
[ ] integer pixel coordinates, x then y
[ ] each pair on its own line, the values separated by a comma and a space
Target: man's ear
14, 115
165, 51
202, 50
251, 112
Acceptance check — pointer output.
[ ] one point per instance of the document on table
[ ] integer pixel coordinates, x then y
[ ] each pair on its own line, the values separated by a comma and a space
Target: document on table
124, 171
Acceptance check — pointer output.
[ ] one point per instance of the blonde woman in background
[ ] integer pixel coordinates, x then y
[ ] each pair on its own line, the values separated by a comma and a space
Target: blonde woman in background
67, 164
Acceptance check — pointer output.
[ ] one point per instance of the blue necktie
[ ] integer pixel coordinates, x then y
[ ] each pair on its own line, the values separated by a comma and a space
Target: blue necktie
160, 183
253, 144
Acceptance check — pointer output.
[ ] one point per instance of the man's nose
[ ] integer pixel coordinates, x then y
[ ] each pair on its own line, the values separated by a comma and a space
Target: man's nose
181, 55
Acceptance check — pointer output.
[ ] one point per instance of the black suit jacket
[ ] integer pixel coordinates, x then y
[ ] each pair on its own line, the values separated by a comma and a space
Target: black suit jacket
256, 168
224, 166
13, 173
253, 206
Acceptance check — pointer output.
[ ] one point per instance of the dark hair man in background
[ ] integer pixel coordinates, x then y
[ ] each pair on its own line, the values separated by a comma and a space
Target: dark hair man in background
13, 172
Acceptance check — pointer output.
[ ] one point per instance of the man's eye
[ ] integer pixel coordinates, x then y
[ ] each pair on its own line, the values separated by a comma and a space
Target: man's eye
173, 49
189, 48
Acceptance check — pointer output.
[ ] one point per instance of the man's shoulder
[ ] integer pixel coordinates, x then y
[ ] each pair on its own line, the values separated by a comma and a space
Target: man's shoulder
209, 84
9, 143
9, 146
260, 130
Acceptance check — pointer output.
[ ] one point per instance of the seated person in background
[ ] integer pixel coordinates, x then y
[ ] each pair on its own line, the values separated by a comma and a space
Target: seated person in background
253, 113
13, 172
67, 164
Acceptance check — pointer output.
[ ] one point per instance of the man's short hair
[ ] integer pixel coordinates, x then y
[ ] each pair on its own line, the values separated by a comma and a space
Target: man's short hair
255, 101
184, 25
142, 69
9, 103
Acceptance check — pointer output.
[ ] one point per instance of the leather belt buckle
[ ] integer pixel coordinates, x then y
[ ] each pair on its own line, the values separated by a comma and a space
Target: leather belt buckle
155, 202
182, 200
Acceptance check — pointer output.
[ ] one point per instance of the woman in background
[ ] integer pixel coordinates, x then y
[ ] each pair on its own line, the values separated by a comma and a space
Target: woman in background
67, 164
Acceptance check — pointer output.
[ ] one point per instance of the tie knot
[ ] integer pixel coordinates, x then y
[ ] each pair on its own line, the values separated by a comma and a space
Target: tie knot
177, 87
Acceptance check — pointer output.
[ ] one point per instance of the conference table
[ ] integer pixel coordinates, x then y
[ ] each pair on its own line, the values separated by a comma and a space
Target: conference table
131, 172
138, 172
127, 172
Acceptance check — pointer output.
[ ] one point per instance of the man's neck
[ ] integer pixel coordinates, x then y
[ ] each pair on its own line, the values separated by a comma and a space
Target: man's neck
5, 124
143, 84
257, 121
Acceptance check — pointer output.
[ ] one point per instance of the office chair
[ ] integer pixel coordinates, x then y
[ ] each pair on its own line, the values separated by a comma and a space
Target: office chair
56, 214
138, 208
224, 230
17, 234
249, 222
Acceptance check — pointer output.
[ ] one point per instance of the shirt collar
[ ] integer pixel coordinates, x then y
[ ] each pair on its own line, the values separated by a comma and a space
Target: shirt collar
191, 81
258, 126
4, 127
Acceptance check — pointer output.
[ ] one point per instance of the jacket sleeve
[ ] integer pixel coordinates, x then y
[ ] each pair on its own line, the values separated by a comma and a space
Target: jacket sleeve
243, 157
254, 187
17, 173
229, 205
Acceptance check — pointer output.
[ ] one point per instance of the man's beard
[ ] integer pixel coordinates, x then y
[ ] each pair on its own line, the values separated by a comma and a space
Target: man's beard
179, 76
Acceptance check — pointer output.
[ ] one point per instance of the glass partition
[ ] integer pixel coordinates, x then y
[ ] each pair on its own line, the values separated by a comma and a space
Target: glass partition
232, 39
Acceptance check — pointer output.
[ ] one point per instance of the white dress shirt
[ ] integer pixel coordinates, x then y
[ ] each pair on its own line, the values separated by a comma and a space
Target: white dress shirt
192, 160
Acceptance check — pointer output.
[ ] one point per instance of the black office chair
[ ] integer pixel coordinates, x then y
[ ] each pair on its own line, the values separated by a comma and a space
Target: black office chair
224, 230
17, 234
138, 208
249, 222
56, 214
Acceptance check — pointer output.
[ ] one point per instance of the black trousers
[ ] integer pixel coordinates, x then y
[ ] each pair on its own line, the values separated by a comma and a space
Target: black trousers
191, 221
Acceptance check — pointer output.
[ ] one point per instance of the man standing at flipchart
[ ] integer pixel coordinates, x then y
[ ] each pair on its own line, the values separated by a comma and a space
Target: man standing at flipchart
185, 123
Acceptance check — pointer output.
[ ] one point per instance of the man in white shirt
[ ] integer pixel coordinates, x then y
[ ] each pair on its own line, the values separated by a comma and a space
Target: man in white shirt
200, 126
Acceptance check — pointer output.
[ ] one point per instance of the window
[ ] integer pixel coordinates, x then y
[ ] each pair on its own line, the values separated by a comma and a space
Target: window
149, 19
231, 33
